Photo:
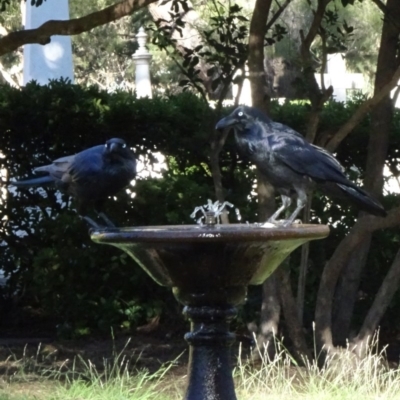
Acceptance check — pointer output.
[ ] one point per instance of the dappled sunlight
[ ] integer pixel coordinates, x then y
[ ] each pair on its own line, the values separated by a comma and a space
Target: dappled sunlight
392, 182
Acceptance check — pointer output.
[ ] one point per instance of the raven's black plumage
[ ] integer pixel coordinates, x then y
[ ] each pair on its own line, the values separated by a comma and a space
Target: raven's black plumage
89, 176
291, 164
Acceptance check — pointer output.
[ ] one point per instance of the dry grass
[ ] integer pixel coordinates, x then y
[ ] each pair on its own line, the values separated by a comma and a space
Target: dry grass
345, 377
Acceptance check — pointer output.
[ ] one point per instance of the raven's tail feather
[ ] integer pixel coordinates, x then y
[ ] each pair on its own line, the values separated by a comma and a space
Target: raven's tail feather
41, 181
363, 200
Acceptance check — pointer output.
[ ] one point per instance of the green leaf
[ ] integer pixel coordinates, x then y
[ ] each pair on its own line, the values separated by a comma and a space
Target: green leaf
347, 2
185, 6
211, 71
234, 9
195, 61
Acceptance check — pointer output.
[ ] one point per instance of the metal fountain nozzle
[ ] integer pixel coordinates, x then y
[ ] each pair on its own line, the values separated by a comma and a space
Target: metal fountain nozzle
210, 218
211, 212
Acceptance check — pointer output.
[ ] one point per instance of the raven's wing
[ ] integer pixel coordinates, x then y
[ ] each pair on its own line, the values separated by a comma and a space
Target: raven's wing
306, 159
85, 166
322, 167
278, 128
58, 168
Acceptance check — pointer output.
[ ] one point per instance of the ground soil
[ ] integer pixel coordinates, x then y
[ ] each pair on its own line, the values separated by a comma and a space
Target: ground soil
35, 345
147, 351
26, 359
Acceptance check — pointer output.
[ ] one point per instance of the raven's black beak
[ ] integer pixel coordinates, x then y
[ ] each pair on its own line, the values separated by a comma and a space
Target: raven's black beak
226, 122
114, 146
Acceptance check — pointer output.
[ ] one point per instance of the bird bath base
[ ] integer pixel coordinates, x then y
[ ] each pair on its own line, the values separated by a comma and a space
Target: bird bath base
209, 269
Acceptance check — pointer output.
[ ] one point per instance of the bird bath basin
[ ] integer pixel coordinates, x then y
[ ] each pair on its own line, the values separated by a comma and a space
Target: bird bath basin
208, 268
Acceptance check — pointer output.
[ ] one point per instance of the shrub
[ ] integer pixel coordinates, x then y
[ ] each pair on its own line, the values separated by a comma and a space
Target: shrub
46, 250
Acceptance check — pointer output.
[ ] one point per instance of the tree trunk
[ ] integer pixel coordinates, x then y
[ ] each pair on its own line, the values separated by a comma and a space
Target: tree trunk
378, 308
317, 96
323, 311
346, 294
270, 307
305, 251
258, 30
293, 323
381, 122
269, 319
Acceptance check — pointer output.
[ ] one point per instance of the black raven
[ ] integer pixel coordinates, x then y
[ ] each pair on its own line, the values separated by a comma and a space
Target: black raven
291, 164
89, 176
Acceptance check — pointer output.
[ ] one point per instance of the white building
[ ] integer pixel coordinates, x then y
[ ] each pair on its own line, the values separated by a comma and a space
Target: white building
53, 60
344, 83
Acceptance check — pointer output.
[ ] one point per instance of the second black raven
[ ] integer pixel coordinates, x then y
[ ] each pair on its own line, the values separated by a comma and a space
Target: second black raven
291, 164
89, 176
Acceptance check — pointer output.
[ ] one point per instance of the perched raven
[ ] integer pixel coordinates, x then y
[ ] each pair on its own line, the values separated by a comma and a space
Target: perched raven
89, 176
291, 164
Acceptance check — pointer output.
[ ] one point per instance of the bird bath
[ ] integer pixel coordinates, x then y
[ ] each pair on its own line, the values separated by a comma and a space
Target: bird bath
209, 267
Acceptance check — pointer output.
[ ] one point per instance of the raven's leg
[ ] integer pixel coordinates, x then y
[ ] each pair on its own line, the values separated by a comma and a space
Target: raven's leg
286, 201
107, 220
301, 202
91, 223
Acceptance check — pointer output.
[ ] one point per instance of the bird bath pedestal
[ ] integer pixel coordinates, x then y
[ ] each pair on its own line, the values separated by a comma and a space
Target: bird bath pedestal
209, 268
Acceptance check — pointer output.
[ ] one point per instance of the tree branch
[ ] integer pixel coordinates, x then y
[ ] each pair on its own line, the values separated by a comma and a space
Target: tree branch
316, 23
316, 95
323, 312
42, 34
277, 14
258, 29
364, 108
384, 9
381, 302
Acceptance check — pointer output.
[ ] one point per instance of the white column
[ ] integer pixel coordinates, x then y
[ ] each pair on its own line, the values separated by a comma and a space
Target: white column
142, 59
53, 60
336, 69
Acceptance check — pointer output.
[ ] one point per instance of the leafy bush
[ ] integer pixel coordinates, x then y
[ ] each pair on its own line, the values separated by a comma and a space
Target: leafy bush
46, 251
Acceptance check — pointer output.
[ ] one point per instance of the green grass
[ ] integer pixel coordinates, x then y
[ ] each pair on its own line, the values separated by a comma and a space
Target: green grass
345, 377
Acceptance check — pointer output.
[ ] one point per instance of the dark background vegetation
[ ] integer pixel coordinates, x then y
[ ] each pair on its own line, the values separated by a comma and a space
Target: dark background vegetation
56, 273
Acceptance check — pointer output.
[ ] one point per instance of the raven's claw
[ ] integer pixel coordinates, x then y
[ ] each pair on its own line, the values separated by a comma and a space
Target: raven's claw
92, 223
107, 220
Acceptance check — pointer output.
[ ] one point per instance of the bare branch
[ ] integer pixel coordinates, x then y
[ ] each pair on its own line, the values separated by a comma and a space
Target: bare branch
42, 34
381, 302
316, 95
364, 108
323, 313
387, 14
316, 23
258, 29
277, 14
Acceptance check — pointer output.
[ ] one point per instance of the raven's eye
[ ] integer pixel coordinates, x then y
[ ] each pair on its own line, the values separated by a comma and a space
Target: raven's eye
123, 146
106, 145
240, 114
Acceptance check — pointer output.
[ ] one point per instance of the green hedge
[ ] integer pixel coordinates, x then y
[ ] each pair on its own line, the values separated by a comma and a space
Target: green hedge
46, 251
53, 266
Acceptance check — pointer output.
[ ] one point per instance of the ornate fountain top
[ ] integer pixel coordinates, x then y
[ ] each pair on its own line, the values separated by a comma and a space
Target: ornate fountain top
212, 212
